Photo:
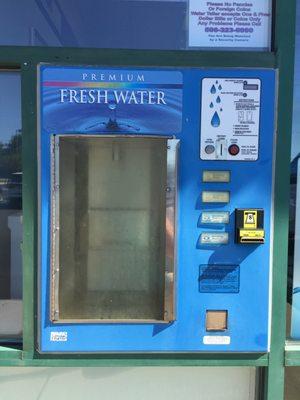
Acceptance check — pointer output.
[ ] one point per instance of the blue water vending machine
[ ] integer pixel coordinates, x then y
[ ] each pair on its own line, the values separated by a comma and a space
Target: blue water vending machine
155, 218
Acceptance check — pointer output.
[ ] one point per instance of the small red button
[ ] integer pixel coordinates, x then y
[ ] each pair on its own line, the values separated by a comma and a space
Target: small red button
233, 149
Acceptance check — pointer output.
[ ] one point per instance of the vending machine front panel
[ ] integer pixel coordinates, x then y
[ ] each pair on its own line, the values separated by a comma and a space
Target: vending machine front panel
155, 217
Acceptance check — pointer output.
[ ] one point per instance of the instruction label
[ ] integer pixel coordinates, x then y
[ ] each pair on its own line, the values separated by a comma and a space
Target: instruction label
231, 24
230, 117
58, 336
219, 279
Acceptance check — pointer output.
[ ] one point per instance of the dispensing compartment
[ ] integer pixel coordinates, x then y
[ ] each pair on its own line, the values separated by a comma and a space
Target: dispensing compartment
113, 228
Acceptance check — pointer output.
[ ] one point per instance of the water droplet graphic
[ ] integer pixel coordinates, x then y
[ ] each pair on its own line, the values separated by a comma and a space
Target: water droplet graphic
112, 105
215, 121
211, 105
218, 99
220, 87
213, 89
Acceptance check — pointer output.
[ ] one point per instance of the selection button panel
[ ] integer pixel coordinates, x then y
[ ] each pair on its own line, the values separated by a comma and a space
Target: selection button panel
214, 238
215, 196
215, 217
216, 176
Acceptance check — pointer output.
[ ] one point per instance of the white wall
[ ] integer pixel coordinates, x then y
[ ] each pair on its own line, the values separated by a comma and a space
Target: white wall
140, 383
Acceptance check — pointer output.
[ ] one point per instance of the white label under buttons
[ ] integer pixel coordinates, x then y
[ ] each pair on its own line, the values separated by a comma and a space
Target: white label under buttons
216, 176
215, 197
214, 238
215, 217
216, 340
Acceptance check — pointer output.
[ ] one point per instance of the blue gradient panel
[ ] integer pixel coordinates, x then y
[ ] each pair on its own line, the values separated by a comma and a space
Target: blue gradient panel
98, 98
246, 268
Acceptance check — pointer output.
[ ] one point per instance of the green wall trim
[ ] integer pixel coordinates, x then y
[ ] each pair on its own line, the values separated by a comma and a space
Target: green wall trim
292, 353
117, 360
284, 43
292, 358
15, 56
8, 353
29, 195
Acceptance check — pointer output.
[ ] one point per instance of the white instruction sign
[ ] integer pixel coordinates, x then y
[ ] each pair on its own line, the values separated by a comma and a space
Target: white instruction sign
231, 24
230, 115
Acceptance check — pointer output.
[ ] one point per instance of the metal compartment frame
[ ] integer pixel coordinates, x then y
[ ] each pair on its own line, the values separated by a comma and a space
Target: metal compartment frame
170, 230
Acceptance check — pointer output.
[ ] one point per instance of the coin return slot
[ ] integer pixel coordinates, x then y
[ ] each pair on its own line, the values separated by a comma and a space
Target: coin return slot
216, 320
249, 240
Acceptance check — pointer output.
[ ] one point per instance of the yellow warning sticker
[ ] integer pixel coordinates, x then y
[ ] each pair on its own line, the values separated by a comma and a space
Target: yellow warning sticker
250, 219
